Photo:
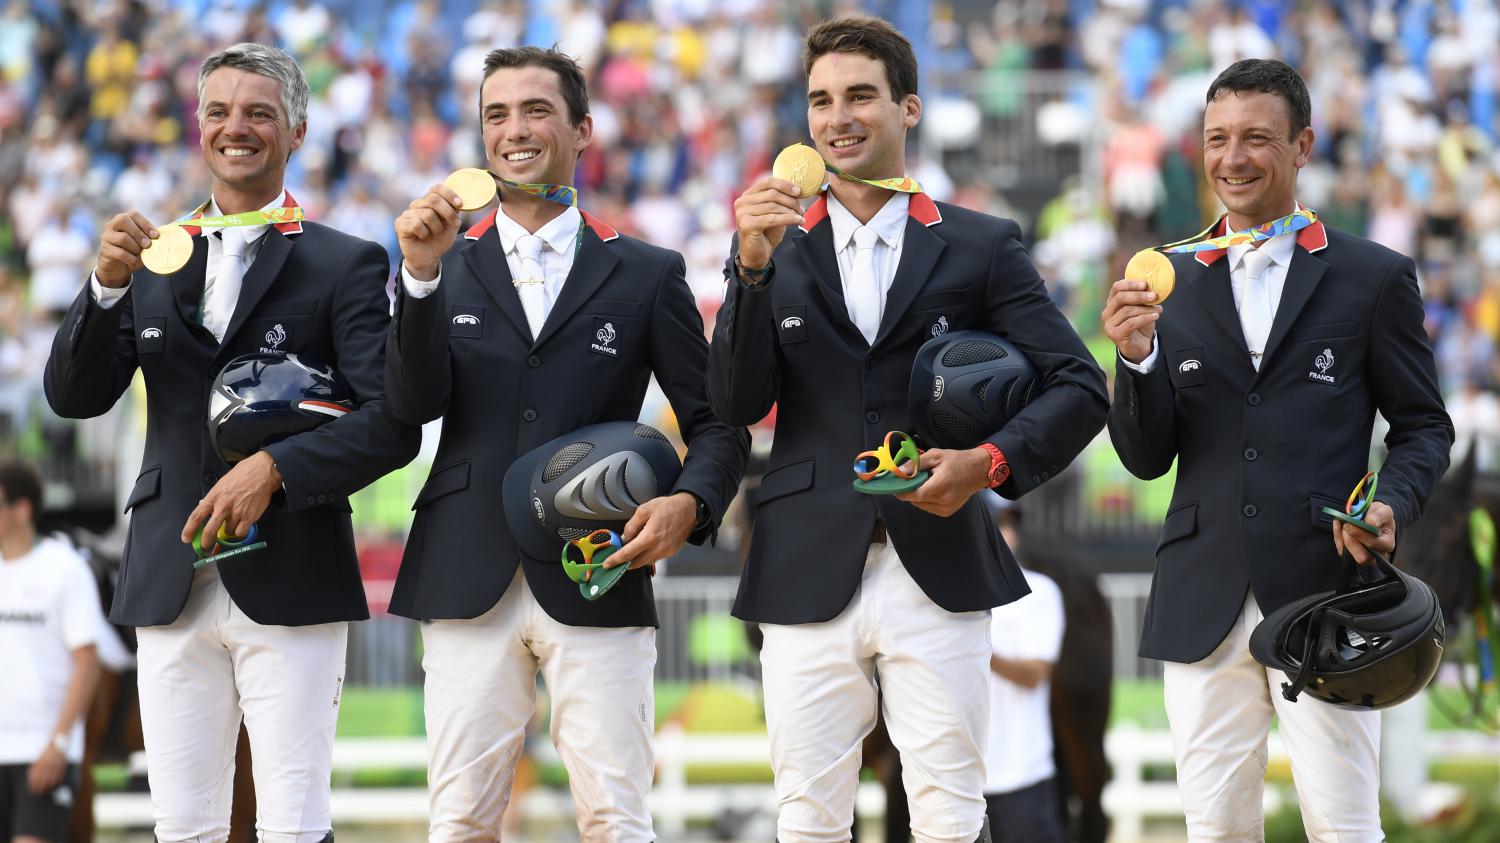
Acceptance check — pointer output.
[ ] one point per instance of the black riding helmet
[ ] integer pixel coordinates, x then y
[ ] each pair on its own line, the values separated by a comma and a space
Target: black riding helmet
593, 478
965, 386
1371, 643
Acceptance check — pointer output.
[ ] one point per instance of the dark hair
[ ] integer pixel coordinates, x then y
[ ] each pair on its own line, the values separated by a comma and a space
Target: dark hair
19, 480
1271, 77
575, 89
870, 37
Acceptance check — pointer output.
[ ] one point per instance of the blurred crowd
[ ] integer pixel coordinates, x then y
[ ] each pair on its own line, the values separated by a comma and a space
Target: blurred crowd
692, 98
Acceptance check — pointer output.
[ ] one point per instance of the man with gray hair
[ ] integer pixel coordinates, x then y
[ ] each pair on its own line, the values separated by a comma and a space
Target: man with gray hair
260, 637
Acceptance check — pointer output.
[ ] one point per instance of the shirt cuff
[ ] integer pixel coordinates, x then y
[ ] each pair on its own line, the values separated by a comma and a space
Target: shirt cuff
419, 289
106, 297
1145, 366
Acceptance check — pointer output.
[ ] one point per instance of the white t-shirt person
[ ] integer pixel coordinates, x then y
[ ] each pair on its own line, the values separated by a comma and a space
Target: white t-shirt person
1020, 749
49, 607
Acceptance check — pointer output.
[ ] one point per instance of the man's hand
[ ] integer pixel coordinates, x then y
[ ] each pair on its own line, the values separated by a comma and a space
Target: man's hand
659, 528
762, 214
46, 772
124, 237
426, 230
1130, 319
1360, 543
238, 499
956, 476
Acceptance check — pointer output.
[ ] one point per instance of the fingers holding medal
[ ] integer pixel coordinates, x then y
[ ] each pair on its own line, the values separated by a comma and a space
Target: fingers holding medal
1134, 303
772, 203
428, 227
124, 243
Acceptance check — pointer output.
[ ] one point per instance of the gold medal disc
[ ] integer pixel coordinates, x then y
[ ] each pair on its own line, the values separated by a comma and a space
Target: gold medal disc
1155, 269
801, 165
475, 187
169, 252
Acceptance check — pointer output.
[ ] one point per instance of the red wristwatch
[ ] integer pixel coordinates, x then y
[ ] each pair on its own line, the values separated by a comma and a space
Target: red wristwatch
999, 468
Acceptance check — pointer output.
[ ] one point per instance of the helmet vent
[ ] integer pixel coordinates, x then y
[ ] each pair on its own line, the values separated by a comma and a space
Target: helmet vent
951, 426
969, 352
568, 534
984, 390
604, 489
646, 431
564, 460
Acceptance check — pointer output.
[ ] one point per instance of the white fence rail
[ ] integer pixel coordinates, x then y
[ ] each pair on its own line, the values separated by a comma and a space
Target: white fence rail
1131, 798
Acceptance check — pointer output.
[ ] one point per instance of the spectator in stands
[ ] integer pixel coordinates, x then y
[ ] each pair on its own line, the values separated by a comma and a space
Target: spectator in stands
49, 622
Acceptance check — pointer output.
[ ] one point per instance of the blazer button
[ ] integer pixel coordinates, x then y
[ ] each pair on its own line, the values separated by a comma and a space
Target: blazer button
529, 415
1250, 510
209, 478
1251, 454
869, 362
872, 417
1254, 399
533, 361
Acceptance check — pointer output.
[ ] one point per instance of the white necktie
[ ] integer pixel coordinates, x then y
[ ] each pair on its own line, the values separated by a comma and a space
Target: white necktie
1256, 308
533, 284
220, 299
864, 287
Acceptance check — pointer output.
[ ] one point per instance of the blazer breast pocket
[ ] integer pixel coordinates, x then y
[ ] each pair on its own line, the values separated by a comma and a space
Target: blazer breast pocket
151, 335
466, 321
791, 323
1185, 367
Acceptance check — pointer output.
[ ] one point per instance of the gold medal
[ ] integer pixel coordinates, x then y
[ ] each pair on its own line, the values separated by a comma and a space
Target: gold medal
170, 251
475, 187
801, 165
1155, 269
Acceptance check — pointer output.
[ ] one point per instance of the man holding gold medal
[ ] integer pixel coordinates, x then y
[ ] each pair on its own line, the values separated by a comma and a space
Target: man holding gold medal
260, 637
1261, 377
871, 601
541, 320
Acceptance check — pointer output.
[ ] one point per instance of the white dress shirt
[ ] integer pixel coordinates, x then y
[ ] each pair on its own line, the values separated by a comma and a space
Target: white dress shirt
561, 236
254, 235
889, 225
1279, 249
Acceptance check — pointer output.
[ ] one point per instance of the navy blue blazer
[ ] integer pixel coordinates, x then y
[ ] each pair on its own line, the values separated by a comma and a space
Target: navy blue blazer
312, 291
791, 344
1259, 453
465, 353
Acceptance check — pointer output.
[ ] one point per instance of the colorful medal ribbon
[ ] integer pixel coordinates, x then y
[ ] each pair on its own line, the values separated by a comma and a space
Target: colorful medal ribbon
904, 184
274, 216
562, 194
1201, 242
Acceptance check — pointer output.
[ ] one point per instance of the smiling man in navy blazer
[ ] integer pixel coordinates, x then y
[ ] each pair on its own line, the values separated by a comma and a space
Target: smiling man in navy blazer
542, 320
1261, 377
871, 600
260, 636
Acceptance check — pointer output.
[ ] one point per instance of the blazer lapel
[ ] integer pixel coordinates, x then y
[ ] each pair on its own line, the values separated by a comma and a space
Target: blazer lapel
815, 250
1301, 280
1212, 290
188, 282
487, 262
258, 277
920, 250
593, 263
